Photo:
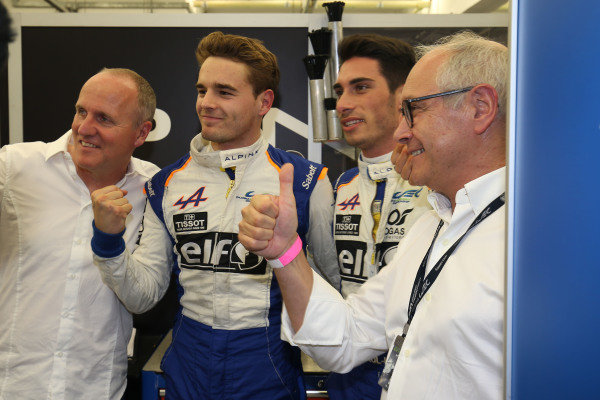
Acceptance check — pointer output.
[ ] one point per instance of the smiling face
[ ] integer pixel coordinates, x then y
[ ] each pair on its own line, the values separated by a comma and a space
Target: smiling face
438, 142
368, 111
105, 128
228, 110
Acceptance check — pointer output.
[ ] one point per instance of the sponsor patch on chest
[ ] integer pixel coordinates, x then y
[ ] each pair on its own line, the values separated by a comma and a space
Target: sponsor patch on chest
347, 225
190, 222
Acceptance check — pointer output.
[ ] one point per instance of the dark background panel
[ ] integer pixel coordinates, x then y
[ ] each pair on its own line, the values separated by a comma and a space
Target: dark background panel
58, 60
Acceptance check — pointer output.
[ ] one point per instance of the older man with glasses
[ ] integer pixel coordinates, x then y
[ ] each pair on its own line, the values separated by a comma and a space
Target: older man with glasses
438, 307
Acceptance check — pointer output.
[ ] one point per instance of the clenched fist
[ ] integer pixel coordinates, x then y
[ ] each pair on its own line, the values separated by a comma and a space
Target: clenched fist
110, 209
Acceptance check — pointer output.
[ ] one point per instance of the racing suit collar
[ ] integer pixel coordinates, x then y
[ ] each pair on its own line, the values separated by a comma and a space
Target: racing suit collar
203, 153
376, 171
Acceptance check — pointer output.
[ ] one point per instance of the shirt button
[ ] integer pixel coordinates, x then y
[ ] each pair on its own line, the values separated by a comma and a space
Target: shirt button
72, 276
406, 353
428, 296
445, 242
60, 354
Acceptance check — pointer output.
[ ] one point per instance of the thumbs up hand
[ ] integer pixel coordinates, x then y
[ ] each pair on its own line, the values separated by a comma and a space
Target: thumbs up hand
269, 223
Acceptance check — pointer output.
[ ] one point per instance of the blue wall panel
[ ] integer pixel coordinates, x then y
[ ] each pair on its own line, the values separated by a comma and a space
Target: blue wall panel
556, 298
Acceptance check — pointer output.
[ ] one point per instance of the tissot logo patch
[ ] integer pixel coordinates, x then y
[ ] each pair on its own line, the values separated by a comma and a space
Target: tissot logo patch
347, 224
190, 222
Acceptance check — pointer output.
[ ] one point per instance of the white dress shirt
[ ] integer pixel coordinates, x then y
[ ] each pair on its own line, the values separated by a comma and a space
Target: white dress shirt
63, 333
454, 347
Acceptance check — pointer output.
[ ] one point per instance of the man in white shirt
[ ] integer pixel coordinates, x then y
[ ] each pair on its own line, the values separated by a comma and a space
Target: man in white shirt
438, 305
63, 333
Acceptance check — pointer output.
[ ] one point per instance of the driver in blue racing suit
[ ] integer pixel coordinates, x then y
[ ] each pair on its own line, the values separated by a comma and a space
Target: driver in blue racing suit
226, 339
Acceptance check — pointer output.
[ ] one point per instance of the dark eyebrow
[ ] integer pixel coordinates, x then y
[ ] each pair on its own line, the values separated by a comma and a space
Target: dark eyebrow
225, 86
218, 86
360, 79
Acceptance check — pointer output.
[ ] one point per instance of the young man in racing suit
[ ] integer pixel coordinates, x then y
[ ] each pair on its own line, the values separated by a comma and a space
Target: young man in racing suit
374, 207
226, 340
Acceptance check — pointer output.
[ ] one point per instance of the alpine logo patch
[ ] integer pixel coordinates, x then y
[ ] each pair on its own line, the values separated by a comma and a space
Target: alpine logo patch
351, 203
196, 199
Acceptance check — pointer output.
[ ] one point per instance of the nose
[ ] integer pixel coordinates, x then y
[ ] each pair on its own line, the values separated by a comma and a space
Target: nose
403, 133
343, 104
205, 101
83, 125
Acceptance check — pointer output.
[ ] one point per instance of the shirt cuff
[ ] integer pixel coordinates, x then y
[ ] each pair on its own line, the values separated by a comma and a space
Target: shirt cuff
107, 245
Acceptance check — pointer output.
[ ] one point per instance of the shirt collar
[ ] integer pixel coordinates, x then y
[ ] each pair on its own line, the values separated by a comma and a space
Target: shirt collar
477, 194
61, 146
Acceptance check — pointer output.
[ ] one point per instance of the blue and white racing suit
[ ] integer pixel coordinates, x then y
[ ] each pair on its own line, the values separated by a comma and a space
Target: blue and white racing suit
226, 338
361, 256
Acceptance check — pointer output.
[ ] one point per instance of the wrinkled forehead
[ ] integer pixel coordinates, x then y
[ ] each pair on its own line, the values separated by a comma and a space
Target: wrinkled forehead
421, 80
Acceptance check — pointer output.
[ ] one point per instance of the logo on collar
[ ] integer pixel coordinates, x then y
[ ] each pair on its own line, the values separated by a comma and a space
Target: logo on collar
377, 171
196, 198
239, 156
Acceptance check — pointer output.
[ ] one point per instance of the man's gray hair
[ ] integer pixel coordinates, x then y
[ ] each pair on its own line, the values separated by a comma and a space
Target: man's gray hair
146, 96
472, 60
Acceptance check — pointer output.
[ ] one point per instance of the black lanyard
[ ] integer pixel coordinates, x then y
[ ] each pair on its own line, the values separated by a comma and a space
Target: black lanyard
422, 283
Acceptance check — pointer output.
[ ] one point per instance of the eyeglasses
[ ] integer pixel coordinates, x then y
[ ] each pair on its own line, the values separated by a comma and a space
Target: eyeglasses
407, 108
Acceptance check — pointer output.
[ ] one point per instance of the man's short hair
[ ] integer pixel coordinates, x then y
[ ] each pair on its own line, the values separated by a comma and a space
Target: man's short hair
263, 71
146, 95
472, 60
396, 57
6, 34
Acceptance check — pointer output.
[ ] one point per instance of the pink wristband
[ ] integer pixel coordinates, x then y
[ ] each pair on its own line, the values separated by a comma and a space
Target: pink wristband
288, 256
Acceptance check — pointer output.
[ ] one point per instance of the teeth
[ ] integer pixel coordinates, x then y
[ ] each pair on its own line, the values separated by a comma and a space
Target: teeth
86, 144
353, 122
417, 152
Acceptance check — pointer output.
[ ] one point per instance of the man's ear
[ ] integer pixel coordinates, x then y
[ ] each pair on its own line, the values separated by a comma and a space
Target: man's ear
266, 99
142, 133
484, 100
